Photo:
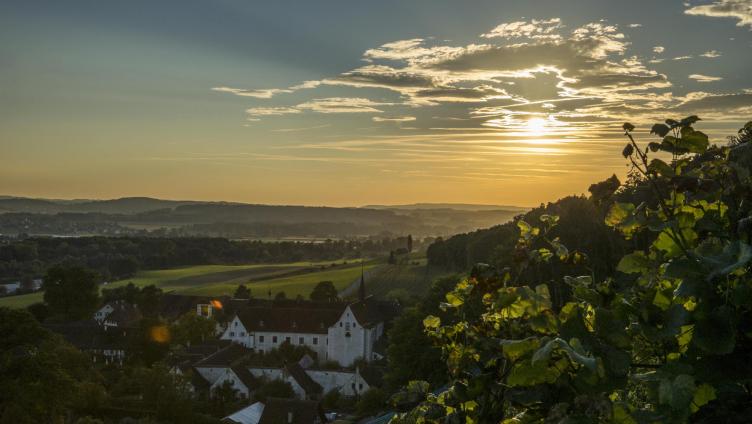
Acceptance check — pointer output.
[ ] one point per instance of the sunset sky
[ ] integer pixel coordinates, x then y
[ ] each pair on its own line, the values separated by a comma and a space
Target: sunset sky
354, 102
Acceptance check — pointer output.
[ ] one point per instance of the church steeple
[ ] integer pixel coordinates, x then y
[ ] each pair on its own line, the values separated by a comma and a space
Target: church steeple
362, 287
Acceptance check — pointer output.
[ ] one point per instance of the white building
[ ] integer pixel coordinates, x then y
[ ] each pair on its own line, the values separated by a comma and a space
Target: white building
338, 332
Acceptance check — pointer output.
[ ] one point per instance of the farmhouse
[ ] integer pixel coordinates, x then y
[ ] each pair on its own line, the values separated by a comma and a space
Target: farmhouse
340, 332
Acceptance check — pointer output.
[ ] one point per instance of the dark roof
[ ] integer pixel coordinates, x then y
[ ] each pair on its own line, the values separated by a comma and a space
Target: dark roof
245, 376
369, 312
226, 357
124, 314
290, 320
88, 335
303, 411
198, 381
303, 379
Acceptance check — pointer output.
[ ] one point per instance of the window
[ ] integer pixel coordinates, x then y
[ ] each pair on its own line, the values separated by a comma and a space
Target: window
261, 339
274, 339
355, 324
242, 334
347, 326
340, 323
315, 340
287, 339
360, 386
301, 341
236, 323
261, 323
232, 334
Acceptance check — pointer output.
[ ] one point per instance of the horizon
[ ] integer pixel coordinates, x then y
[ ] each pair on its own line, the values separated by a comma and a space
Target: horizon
294, 103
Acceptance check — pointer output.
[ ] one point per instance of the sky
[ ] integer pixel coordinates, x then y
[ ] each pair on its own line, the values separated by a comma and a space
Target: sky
346, 103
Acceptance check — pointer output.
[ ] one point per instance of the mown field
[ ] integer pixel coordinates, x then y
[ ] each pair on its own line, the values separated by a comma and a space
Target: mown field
292, 278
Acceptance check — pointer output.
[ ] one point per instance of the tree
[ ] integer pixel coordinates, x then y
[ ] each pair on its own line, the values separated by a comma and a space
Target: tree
71, 293
42, 378
324, 292
409, 243
665, 338
192, 329
280, 296
242, 292
274, 388
371, 402
392, 260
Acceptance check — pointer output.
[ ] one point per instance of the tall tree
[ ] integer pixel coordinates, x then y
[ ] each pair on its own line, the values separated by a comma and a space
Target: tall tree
72, 293
242, 292
324, 292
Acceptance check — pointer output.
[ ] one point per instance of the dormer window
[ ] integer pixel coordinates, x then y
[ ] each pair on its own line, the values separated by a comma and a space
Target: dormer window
294, 324
261, 323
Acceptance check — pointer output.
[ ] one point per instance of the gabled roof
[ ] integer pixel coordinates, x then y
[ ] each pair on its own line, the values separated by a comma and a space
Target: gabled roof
88, 335
303, 379
245, 377
224, 358
276, 411
249, 415
290, 320
124, 314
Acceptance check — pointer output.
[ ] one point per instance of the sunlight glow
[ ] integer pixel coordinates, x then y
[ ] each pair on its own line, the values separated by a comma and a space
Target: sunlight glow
536, 126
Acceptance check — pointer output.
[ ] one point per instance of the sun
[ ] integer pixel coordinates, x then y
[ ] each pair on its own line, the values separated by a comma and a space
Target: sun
536, 126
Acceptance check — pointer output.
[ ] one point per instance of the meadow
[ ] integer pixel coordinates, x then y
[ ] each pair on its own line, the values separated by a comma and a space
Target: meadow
297, 278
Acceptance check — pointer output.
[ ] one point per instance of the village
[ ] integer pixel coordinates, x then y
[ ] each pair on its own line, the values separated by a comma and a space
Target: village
284, 361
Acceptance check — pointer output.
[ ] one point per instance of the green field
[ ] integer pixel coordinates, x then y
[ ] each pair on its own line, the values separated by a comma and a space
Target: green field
292, 278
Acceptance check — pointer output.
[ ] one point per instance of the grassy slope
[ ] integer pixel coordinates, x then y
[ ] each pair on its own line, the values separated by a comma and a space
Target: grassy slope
415, 278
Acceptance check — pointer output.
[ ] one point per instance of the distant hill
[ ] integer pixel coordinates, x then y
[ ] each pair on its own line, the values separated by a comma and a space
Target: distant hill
453, 206
148, 216
125, 205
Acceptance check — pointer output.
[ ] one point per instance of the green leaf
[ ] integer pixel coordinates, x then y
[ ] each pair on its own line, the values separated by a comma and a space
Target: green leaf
544, 353
431, 322
660, 129
704, 394
454, 300
635, 262
514, 349
694, 142
714, 331
660, 167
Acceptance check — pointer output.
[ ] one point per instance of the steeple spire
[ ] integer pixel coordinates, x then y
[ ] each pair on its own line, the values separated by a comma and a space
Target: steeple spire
362, 287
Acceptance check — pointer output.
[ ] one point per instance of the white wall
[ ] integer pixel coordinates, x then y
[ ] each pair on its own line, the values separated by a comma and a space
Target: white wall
347, 340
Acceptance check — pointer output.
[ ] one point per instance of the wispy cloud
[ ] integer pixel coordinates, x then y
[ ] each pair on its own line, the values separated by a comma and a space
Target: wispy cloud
740, 10
704, 78
711, 54
393, 118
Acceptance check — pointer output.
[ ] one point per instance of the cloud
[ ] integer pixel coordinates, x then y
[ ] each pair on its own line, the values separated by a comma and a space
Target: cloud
704, 78
659, 49
736, 9
325, 105
687, 57
635, 25
393, 118
535, 29
711, 54
266, 93
726, 103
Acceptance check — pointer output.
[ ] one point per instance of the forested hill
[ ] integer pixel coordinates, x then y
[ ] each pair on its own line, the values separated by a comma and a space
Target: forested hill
581, 227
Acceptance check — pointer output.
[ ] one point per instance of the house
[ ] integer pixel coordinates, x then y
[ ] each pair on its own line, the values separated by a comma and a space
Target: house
239, 378
341, 332
118, 314
11, 288
279, 411
215, 366
110, 347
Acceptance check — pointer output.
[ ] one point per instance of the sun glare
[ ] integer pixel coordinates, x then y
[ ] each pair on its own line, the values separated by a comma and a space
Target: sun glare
536, 126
